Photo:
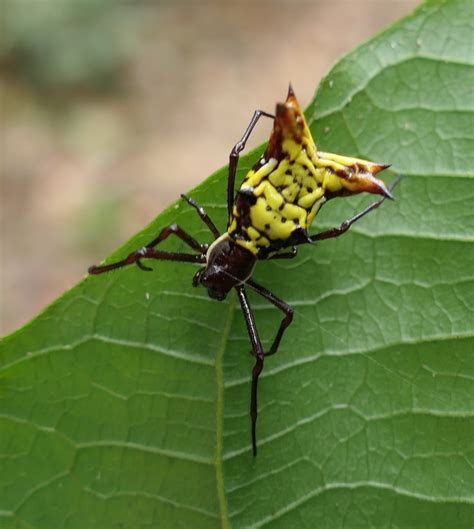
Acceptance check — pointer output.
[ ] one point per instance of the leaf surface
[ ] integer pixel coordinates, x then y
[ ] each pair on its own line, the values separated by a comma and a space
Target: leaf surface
125, 403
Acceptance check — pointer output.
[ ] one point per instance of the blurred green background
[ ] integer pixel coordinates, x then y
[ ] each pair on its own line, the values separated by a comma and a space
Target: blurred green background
110, 109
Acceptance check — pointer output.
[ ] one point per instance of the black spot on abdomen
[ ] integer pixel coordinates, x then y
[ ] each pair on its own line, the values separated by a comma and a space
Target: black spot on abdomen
243, 202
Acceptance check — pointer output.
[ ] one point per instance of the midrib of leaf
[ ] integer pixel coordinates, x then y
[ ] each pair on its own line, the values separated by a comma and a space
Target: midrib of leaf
221, 494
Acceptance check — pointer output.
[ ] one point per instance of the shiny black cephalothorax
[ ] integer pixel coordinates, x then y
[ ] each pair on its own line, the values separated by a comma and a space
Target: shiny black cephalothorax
227, 265
268, 218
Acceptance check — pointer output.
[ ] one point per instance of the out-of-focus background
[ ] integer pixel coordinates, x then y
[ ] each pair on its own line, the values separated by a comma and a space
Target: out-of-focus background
110, 109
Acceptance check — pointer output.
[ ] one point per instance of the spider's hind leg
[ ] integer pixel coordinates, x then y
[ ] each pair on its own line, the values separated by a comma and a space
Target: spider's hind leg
336, 232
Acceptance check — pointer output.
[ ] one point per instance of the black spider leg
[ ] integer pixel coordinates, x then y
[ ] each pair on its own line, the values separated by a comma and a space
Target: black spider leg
279, 304
259, 356
203, 215
173, 229
234, 156
285, 255
336, 232
149, 252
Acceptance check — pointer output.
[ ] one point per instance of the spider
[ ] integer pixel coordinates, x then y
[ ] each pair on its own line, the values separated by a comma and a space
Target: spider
268, 218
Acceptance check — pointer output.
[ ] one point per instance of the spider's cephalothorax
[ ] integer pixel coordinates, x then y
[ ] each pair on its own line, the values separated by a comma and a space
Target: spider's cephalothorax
269, 216
227, 266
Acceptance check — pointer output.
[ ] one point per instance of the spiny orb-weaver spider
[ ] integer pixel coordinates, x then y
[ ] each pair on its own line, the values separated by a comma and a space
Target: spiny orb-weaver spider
271, 212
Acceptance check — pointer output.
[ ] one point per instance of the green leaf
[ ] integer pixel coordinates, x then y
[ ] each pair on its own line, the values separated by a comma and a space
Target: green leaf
125, 403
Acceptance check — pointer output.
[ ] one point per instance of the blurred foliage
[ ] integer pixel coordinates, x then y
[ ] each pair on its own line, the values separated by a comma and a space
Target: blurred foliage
69, 44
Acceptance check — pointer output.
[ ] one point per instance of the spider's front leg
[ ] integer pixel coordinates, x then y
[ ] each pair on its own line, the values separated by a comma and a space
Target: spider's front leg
234, 156
149, 252
202, 215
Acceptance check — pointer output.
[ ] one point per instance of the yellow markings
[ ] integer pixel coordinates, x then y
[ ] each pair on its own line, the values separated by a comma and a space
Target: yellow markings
291, 192
310, 183
259, 215
300, 172
290, 179
248, 245
277, 177
293, 212
280, 230
309, 199
254, 179
270, 222
260, 189
247, 177
256, 240
291, 147
308, 142
344, 161
273, 198
332, 181
305, 161
335, 166
253, 233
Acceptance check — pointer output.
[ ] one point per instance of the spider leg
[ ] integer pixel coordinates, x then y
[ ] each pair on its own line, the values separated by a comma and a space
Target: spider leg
280, 304
149, 252
174, 229
202, 215
285, 255
335, 232
259, 355
234, 156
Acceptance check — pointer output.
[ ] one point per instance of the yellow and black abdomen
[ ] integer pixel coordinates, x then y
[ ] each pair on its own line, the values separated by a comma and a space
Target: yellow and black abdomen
280, 196
276, 199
